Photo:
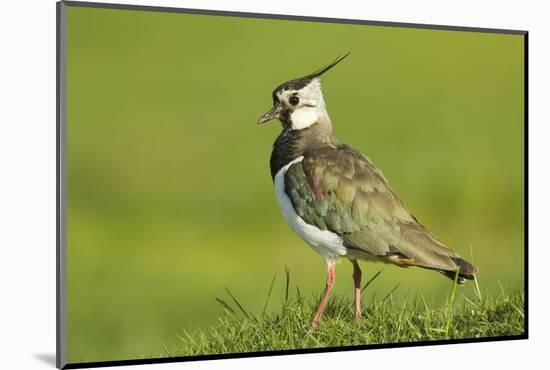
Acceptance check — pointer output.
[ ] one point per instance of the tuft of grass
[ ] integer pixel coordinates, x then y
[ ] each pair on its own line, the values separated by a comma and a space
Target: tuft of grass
384, 322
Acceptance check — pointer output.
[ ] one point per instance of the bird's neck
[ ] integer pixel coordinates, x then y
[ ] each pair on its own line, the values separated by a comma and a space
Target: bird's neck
290, 144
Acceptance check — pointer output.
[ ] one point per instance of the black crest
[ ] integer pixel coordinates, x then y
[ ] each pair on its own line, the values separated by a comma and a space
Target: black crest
302, 82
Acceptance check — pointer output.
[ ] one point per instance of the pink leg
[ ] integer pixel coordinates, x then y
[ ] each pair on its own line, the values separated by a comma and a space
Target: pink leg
331, 278
357, 284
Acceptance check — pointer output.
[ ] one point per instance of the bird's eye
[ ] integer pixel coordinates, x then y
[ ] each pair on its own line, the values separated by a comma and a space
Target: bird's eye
294, 100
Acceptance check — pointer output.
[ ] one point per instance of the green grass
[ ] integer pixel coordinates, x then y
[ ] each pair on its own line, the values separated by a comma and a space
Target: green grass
463, 315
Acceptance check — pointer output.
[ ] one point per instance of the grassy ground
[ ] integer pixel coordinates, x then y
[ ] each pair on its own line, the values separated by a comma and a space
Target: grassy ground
385, 321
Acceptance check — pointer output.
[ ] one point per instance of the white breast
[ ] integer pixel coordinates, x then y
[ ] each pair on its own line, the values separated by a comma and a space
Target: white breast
328, 244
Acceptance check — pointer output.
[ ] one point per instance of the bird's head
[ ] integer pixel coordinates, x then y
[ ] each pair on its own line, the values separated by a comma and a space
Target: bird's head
299, 103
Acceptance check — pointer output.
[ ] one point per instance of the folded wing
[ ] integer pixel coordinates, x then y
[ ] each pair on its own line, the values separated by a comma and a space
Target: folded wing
336, 188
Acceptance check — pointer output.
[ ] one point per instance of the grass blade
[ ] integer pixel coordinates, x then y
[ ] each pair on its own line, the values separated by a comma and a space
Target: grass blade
269, 294
287, 274
519, 311
225, 306
371, 280
451, 305
237, 303
478, 291
400, 319
476, 285
166, 349
469, 300
391, 292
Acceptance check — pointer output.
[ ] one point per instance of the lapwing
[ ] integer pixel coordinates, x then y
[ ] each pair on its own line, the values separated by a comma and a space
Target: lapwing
336, 199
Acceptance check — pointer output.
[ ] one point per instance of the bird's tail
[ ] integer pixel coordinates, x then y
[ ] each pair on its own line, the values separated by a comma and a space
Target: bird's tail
465, 270
424, 250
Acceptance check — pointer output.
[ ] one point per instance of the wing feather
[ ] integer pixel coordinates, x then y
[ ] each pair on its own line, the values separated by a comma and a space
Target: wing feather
336, 188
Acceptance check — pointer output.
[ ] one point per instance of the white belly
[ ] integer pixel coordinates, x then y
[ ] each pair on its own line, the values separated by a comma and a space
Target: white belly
328, 244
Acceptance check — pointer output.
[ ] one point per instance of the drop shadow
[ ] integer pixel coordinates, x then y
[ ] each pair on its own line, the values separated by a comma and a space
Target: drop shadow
47, 358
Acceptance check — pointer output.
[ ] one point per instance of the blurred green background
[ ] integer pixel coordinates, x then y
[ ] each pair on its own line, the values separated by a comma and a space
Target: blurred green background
169, 194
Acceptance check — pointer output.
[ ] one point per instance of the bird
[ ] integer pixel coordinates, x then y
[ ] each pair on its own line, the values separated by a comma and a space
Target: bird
336, 199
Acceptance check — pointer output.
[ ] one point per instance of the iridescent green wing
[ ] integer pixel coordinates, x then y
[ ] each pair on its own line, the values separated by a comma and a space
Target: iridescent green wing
336, 188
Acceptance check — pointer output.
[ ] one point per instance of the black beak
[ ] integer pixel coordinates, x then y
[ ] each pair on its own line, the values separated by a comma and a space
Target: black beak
273, 113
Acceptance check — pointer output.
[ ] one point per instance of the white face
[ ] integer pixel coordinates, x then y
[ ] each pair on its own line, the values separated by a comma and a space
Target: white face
307, 104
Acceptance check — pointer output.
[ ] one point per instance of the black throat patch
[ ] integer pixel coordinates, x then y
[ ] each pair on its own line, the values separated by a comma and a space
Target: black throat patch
290, 144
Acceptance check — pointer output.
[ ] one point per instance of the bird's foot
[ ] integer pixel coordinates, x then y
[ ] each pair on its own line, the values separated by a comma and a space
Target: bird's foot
313, 327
